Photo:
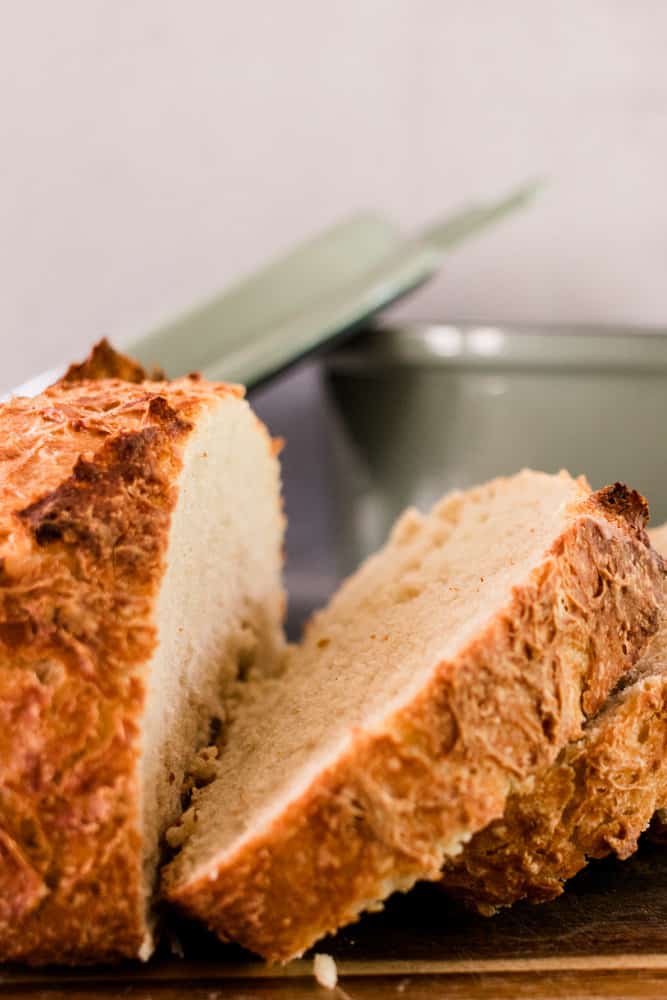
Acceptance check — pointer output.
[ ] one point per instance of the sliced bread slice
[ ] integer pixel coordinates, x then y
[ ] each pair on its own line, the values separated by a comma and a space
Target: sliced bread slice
140, 572
456, 662
596, 799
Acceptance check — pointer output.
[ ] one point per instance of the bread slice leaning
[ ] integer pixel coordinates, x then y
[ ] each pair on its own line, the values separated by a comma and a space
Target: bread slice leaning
596, 799
459, 660
140, 573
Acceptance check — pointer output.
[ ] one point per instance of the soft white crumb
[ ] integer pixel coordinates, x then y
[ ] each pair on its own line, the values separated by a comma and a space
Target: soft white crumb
325, 971
146, 949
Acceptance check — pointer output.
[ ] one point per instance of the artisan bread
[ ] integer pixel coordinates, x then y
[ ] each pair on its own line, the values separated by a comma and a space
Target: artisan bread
596, 799
455, 663
140, 565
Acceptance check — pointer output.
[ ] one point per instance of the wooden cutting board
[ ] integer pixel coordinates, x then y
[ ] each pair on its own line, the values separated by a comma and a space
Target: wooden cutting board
606, 937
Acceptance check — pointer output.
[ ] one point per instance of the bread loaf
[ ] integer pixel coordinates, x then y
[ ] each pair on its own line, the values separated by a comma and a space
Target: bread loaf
140, 562
454, 664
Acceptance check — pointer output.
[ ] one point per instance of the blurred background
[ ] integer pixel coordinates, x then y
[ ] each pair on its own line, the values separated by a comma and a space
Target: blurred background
154, 152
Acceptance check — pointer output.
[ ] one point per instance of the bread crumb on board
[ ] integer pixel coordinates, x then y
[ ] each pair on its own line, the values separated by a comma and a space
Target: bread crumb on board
325, 971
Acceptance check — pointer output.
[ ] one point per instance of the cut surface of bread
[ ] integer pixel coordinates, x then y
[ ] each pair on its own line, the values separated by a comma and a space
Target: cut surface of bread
597, 798
455, 662
140, 564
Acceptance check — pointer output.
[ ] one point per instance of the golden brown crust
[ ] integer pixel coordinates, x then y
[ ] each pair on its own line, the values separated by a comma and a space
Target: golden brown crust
596, 799
625, 506
382, 816
104, 362
87, 473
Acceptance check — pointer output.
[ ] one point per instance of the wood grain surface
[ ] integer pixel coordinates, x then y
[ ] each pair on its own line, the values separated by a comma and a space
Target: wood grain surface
606, 937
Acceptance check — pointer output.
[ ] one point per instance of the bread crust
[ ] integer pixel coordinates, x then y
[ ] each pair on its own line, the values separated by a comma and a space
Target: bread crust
87, 489
104, 362
441, 768
596, 799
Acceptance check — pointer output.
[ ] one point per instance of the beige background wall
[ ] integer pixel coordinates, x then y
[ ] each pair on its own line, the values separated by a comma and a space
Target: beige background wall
151, 152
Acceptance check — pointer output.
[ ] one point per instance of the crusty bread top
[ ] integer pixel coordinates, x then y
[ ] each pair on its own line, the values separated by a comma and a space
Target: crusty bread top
105, 362
62, 432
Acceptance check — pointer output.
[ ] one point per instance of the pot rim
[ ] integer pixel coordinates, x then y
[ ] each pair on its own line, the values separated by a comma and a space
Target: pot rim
488, 345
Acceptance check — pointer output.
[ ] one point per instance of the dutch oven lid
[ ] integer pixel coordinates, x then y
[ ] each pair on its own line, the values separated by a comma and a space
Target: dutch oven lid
325, 288
319, 292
